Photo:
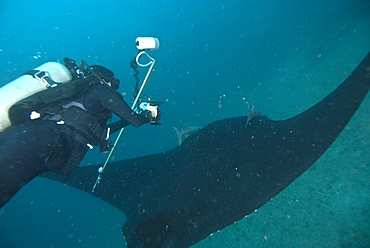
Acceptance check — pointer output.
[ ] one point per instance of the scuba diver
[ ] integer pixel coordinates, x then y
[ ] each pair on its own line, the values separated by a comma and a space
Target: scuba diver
57, 136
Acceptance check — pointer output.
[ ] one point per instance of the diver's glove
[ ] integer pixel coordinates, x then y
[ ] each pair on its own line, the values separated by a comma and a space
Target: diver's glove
152, 111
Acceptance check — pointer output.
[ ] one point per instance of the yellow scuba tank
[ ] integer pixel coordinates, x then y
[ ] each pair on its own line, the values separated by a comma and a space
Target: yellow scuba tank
28, 84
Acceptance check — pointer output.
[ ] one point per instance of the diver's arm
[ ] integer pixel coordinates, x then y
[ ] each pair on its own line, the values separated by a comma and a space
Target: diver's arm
115, 103
115, 126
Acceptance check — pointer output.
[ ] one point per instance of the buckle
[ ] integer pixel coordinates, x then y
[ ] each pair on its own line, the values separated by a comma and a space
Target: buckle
44, 77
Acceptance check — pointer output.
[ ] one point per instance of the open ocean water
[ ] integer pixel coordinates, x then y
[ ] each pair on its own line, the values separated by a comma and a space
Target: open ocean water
215, 55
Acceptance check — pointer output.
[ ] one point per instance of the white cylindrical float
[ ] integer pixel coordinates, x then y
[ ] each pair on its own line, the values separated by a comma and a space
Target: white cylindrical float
147, 43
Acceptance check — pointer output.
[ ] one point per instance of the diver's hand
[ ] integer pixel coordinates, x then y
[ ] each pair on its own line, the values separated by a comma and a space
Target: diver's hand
152, 110
147, 115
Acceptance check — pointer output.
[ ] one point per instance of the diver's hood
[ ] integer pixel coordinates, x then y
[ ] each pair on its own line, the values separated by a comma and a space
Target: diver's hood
104, 75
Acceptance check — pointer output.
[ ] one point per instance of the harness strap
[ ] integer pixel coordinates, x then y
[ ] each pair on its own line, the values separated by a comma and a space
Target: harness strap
43, 76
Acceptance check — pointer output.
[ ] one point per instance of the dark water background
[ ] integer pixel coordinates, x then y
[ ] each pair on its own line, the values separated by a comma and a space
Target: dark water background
214, 56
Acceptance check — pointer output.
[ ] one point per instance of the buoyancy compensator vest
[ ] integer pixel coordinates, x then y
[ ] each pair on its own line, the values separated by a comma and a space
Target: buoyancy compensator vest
60, 99
64, 105
42, 101
72, 113
40, 79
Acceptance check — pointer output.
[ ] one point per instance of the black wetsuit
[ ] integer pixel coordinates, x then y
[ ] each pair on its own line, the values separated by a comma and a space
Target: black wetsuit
32, 148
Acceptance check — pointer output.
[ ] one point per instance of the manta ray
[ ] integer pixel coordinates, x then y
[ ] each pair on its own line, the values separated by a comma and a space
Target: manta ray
221, 173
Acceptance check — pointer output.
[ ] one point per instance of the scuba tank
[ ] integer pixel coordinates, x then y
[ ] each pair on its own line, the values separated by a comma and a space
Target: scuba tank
30, 83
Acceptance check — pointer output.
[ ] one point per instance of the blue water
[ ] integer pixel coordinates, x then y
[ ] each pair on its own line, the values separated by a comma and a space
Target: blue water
214, 56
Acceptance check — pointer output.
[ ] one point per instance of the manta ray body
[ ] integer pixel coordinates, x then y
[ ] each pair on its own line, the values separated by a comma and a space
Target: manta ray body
221, 173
